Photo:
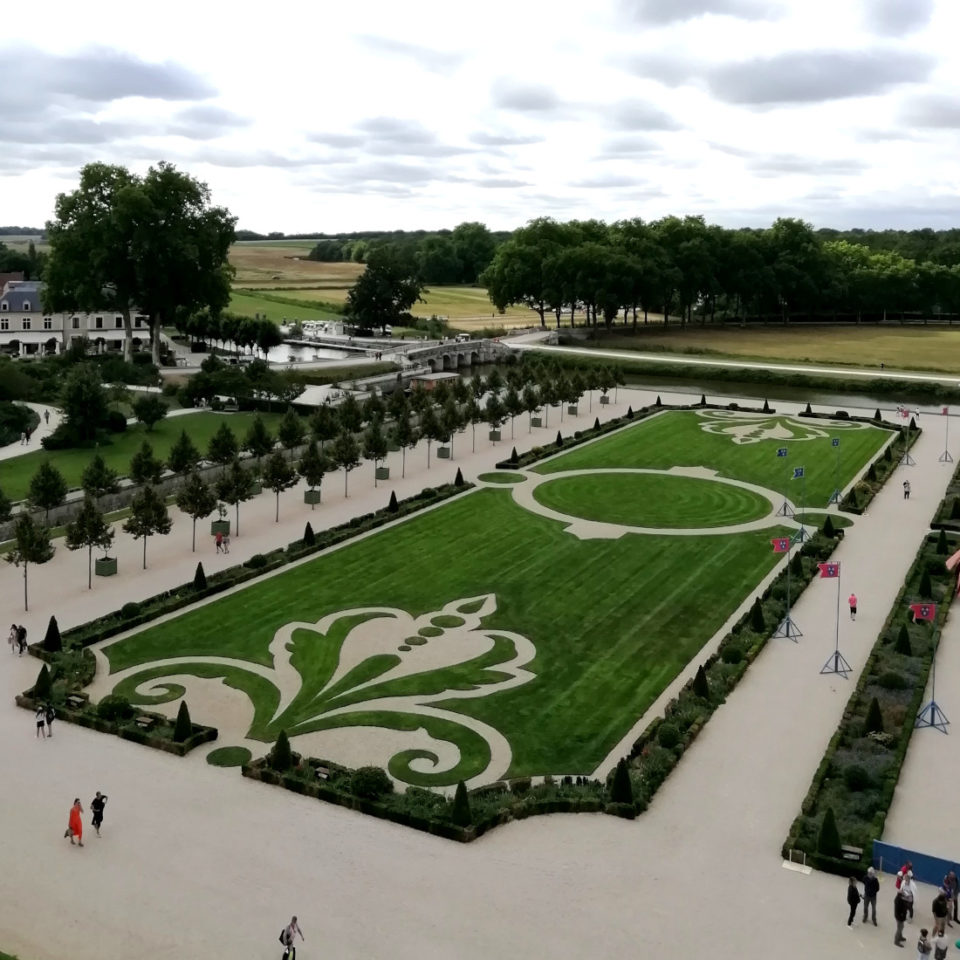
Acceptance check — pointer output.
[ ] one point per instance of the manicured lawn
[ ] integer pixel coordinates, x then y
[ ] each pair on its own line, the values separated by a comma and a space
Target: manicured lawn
612, 622
248, 304
680, 439
652, 500
502, 477
15, 473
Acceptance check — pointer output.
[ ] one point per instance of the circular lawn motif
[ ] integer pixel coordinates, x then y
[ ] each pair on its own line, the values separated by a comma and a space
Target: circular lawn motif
447, 621
652, 500
501, 477
229, 756
430, 632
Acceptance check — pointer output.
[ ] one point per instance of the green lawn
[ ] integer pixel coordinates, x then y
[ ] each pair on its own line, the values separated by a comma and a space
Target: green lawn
679, 439
652, 500
248, 304
16, 472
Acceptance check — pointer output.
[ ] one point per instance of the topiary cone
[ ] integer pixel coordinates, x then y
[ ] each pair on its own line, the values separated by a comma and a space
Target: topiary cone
461, 814
828, 839
621, 790
183, 727
199, 578
280, 756
309, 537
51, 640
41, 689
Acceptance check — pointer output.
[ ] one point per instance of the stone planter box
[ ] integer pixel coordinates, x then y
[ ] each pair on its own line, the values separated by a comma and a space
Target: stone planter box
220, 526
382, 473
573, 409
105, 566
537, 421
494, 435
604, 400
311, 496
443, 453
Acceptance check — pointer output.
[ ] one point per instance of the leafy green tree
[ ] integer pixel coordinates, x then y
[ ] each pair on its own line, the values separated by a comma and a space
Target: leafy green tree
451, 420
184, 455
384, 293
149, 410
235, 485
493, 412
47, 489
473, 248
87, 530
268, 336
373, 408
148, 516
473, 415
430, 428
404, 436
345, 453
313, 466
513, 405
258, 441
350, 414
31, 544
278, 475
375, 446
223, 447
291, 430
183, 727
494, 383
324, 423
196, 500
531, 404
144, 466
98, 480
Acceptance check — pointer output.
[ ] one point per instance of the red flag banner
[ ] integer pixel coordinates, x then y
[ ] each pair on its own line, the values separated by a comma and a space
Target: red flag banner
780, 544
923, 611
829, 570
945, 410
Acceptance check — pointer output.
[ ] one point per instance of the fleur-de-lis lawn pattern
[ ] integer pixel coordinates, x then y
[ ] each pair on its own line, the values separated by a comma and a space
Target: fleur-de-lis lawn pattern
744, 428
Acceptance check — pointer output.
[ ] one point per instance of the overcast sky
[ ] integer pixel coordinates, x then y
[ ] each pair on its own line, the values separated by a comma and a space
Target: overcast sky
319, 116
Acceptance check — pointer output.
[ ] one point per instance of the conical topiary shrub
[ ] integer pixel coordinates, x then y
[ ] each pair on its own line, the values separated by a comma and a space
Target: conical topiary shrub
629, 413
596, 423
51, 640
942, 547
887, 455
876, 414
309, 537
559, 439
461, 814
458, 479
280, 756
700, 686
902, 644
913, 424
871, 472
703, 399
926, 588
659, 404
513, 455
852, 501
393, 506
766, 406
41, 689
828, 839
828, 528
796, 565
621, 790
757, 623
955, 509
809, 410
874, 720
182, 728
199, 578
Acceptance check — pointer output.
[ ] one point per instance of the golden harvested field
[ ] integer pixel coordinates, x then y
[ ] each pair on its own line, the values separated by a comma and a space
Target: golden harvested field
899, 348
271, 265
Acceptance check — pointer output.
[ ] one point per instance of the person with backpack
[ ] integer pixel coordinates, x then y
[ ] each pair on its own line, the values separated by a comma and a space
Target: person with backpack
22, 638
900, 915
287, 936
871, 887
940, 910
49, 714
940, 947
924, 946
853, 899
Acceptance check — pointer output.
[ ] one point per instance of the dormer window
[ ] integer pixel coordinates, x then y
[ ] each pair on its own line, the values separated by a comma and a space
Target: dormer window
26, 306
4, 305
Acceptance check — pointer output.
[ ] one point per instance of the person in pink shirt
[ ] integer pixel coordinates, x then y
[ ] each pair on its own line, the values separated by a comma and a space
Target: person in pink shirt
852, 600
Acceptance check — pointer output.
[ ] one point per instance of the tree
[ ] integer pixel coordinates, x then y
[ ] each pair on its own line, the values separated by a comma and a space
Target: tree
430, 428
494, 382
313, 466
874, 719
148, 516
183, 456
235, 486
375, 446
89, 529
183, 727
43, 685
144, 466
196, 500
52, 641
451, 420
223, 447
473, 248
493, 412
621, 790
757, 622
6, 507
258, 441
531, 403
278, 475
700, 685
291, 430
926, 587
373, 407
31, 544
280, 756
345, 454
149, 410
267, 336
350, 414
513, 405
404, 436
309, 537
324, 423
199, 578
97, 479
47, 489
461, 814
384, 293
828, 839
393, 505
473, 415
902, 644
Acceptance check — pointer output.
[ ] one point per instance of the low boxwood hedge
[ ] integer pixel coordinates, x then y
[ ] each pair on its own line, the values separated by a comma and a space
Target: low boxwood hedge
947, 516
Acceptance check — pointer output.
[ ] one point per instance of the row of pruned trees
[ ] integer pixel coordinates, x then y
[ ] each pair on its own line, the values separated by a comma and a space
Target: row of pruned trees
684, 268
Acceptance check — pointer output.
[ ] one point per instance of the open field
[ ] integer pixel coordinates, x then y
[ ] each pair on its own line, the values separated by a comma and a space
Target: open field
249, 303
16, 472
268, 265
907, 348
709, 438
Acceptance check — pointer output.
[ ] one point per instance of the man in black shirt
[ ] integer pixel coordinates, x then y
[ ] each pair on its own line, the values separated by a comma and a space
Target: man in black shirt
96, 805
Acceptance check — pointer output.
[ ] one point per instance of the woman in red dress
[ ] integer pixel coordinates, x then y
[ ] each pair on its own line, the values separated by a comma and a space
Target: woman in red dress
75, 827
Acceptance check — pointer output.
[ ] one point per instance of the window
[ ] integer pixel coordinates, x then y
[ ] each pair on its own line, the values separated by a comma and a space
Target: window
26, 306
48, 323
76, 323
118, 322
5, 323
98, 323
138, 322
4, 305
26, 323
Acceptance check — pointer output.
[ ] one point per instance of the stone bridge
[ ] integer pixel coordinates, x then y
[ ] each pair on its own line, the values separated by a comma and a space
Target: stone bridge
452, 355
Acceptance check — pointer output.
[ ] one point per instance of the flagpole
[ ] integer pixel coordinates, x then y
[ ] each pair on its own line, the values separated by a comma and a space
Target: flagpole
930, 714
836, 663
945, 456
787, 627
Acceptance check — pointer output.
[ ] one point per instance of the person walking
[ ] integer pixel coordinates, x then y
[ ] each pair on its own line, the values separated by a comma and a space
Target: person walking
46, 416
287, 937
49, 714
41, 720
906, 489
12, 638
96, 805
218, 541
853, 899
940, 911
852, 601
908, 890
871, 887
75, 823
924, 946
226, 544
23, 437
900, 915
21, 638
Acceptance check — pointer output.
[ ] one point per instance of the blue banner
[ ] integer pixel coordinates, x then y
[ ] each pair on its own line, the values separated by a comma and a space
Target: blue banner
798, 473
781, 451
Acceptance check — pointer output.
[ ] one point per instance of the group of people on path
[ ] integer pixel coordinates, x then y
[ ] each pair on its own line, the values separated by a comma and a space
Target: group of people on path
17, 638
222, 543
75, 822
25, 435
944, 906
45, 715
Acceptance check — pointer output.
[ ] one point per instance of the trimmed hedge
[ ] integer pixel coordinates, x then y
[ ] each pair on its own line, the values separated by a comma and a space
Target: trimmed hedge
861, 798
877, 473
947, 516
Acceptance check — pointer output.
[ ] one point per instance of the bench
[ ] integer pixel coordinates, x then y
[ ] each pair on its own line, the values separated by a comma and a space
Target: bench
145, 723
850, 853
323, 773
76, 701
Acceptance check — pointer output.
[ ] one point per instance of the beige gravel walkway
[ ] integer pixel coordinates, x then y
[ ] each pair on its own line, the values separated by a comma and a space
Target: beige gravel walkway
195, 862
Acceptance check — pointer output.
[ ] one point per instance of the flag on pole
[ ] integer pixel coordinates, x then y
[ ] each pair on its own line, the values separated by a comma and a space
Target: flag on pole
923, 611
781, 451
798, 473
829, 570
835, 442
780, 544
